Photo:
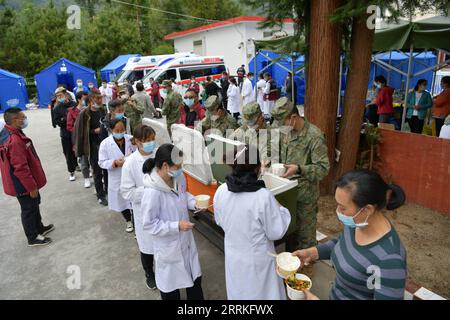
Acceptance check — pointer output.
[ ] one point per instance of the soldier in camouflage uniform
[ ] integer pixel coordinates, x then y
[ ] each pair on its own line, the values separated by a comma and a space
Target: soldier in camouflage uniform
133, 110
304, 152
172, 104
254, 130
282, 107
218, 121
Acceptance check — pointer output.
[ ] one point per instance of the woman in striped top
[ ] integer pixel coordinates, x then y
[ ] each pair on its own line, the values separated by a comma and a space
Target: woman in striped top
368, 256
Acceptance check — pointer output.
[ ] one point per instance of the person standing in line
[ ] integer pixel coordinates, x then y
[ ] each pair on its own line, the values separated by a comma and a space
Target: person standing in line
88, 139
418, 102
172, 104
165, 204
270, 95
23, 175
144, 100
260, 86
240, 75
72, 116
79, 87
106, 93
211, 88
234, 99
384, 100
112, 154
154, 93
194, 85
132, 189
60, 116
252, 220
248, 92
441, 105
224, 84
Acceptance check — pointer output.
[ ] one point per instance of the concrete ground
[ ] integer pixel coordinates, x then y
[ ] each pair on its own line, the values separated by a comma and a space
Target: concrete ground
87, 236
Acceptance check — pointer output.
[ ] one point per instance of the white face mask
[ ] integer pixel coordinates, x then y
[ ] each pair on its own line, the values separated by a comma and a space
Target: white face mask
214, 118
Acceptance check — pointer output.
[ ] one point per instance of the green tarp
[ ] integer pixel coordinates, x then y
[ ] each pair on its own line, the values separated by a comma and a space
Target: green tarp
428, 33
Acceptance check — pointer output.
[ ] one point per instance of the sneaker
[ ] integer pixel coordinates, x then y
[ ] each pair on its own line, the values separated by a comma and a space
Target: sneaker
72, 177
150, 282
39, 241
87, 183
103, 201
130, 227
48, 229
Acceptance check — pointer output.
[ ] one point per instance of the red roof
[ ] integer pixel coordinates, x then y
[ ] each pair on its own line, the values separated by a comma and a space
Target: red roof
218, 25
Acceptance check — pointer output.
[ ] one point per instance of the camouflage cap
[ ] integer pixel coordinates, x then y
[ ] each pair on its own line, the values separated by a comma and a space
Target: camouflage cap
212, 103
251, 111
282, 108
167, 84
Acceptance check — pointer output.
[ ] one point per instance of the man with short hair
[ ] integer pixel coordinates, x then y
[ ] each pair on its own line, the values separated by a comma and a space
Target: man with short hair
218, 119
211, 87
270, 95
106, 93
248, 92
172, 104
241, 74
142, 98
224, 84
23, 175
133, 110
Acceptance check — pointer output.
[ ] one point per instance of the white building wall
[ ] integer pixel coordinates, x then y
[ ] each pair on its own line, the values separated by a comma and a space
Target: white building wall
231, 41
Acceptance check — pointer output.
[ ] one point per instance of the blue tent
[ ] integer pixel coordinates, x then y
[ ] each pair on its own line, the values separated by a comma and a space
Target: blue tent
277, 71
112, 69
400, 61
13, 91
64, 72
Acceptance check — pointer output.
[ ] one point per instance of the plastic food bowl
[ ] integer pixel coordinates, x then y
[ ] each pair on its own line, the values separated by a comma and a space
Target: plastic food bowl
202, 201
297, 294
278, 169
287, 264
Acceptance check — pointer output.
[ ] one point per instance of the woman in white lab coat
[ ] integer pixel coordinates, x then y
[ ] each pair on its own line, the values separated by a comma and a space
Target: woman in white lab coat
164, 207
260, 85
252, 220
111, 156
132, 189
248, 93
234, 99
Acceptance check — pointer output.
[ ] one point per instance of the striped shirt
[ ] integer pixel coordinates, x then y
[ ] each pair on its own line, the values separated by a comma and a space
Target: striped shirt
376, 271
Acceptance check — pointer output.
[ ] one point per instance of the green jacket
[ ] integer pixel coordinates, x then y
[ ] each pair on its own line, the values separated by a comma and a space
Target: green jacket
425, 103
308, 150
134, 111
171, 107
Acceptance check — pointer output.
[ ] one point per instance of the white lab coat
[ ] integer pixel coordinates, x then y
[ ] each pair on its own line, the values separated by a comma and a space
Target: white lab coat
107, 95
252, 221
268, 105
132, 189
260, 85
108, 152
248, 93
234, 99
176, 258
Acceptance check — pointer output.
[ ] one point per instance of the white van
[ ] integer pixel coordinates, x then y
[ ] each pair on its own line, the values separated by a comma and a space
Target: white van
182, 69
137, 67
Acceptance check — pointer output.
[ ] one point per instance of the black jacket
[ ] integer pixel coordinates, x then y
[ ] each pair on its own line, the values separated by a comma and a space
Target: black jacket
60, 117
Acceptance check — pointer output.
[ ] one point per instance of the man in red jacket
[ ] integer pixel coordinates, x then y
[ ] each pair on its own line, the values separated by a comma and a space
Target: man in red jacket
384, 100
23, 176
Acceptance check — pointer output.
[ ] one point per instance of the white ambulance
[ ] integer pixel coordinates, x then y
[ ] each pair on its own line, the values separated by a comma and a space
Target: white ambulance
137, 67
182, 69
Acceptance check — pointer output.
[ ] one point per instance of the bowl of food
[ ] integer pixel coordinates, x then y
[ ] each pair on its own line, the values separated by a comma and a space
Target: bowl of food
202, 201
287, 264
296, 284
278, 169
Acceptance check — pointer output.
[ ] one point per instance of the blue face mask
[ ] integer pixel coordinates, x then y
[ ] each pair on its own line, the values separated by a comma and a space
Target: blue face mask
119, 136
62, 100
25, 123
176, 173
350, 221
189, 102
149, 147
119, 116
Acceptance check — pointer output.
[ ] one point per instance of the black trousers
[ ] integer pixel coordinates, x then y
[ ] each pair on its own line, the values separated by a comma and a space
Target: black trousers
127, 214
31, 216
439, 124
416, 124
67, 147
236, 115
98, 173
147, 264
193, 293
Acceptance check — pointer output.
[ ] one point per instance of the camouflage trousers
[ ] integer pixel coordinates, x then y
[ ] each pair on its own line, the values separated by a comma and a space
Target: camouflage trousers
305, 235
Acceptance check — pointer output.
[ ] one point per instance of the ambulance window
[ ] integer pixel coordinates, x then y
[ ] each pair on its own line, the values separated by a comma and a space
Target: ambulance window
168, 74
187, 73
136, 75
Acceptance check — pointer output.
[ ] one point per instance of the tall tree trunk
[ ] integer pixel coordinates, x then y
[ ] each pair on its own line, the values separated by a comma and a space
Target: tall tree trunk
323, 76
357, 79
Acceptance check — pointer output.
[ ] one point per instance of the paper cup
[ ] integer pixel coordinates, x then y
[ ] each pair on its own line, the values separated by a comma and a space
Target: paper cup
278, 169
298, 294
202, 201
287, 264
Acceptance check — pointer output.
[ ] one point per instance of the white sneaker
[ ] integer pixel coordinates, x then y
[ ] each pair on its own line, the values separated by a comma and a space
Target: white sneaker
72, 177
87, 183
90, 174
129, 227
